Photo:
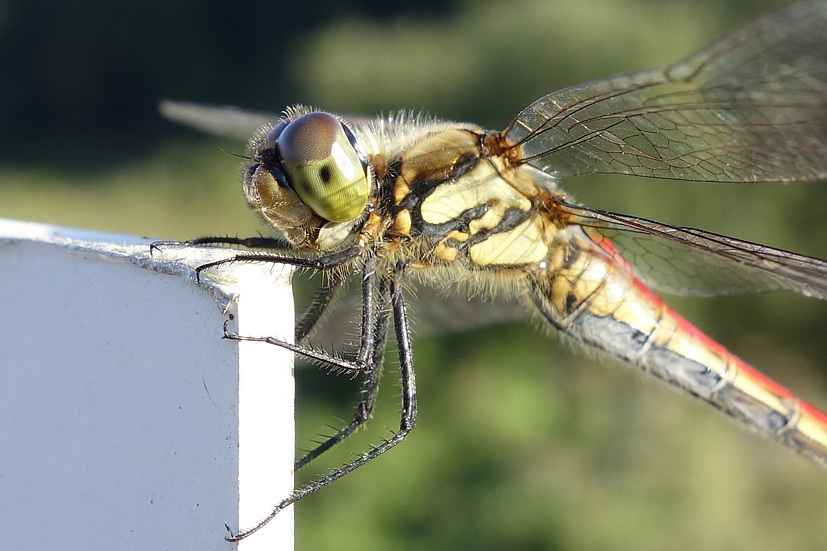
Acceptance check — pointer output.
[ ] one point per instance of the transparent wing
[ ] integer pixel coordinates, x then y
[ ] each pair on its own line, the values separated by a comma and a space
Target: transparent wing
688, 261
221, 120
750, 107
228, 121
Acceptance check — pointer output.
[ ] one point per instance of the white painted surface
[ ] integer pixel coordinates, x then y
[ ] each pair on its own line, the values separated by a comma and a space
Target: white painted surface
266, 400
120, 403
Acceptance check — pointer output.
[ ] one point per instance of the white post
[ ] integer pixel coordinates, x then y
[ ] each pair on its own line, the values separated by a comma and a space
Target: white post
126, 421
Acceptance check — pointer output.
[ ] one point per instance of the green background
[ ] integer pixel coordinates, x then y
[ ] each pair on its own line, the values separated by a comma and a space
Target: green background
522, 443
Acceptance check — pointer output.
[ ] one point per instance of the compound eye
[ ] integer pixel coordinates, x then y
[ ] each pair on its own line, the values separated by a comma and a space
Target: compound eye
274, 133
324, 167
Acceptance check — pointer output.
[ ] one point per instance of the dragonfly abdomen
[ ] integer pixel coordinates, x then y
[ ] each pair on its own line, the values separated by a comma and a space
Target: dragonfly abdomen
593, 296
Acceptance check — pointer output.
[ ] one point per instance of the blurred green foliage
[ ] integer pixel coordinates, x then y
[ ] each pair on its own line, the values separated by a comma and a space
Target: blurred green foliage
521, 444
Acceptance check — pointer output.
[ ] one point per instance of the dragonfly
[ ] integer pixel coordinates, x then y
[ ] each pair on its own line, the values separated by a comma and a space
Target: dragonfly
410, 197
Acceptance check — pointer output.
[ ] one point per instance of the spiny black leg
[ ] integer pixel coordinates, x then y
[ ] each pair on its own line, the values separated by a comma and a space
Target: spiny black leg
322, 300
251, 242
368, 333
407, 416
324, 262
370, 383
403, 343
368, 359
322, 356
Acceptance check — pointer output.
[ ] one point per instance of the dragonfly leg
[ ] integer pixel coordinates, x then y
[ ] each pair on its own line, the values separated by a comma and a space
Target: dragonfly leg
250, 242
368, 360
370, 384
325, 262
323, 299
408, 406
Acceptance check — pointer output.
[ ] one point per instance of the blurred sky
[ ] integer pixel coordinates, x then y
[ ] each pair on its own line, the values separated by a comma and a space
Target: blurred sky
100, 67
578, 457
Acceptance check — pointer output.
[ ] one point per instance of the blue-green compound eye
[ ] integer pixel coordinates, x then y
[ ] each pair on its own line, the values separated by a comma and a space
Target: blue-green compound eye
323, 166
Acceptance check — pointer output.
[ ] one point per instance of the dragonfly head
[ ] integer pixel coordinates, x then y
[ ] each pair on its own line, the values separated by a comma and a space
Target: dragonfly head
308, 171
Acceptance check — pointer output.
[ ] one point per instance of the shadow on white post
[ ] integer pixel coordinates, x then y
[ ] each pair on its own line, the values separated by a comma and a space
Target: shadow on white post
126, 421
